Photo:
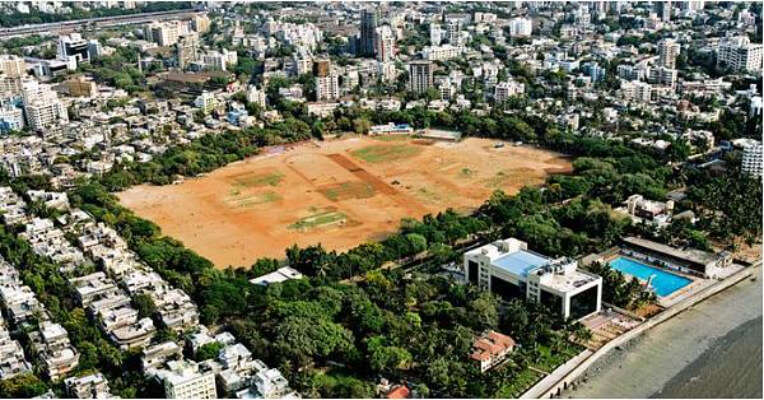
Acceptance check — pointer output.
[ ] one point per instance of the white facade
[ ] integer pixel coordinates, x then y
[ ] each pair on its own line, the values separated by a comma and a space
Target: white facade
507, 268
12, 66
328, 87
504, 90
183, 380
520, 27
752, 162
740, 54
668, 50
42, 106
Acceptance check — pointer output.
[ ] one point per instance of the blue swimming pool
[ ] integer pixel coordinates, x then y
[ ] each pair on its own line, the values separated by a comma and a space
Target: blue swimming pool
664, 282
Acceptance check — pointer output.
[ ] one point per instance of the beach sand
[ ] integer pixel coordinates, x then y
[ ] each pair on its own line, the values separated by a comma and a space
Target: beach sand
712, 350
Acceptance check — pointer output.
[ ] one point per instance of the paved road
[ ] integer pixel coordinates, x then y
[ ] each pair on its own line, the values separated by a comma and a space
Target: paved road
710, 347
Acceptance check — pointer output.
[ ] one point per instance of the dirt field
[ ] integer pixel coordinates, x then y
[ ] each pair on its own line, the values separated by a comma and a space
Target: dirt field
339, 193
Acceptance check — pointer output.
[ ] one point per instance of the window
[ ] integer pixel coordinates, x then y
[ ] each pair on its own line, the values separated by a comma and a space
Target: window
583, 303
472, 271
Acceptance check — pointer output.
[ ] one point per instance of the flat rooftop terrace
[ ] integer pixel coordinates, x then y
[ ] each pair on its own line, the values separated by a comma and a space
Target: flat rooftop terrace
520, 262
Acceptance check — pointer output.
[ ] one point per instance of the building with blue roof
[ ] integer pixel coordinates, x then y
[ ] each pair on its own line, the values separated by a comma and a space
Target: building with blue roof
509, 269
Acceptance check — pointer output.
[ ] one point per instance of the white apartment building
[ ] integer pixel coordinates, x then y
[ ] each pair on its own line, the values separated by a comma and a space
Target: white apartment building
509, 269
668, 50
520, 27
436, 35
219, 61
636, 91
420, 76
328, 87
440, 53
183, 380
163, 33
42, 106
255, 95
504, 90
740, 54
752, 161
206, 102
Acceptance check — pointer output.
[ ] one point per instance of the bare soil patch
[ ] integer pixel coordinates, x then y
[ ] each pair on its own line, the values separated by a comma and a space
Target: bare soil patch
339, 193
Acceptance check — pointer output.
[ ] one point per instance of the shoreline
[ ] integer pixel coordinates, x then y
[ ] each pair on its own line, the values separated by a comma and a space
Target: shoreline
676, 354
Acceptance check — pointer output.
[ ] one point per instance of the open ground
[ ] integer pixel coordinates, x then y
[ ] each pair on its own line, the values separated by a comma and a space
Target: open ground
339, 193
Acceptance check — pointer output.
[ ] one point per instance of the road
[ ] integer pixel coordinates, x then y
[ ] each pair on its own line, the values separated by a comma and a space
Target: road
711, 350
70, 26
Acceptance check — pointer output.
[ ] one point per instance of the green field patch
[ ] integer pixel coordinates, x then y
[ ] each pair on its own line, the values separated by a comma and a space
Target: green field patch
320, 218
258, 179
347, 190
379, 153
466, 173
259, 198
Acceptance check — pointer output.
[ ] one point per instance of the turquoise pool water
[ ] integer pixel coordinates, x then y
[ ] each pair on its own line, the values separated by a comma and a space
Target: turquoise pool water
664, 282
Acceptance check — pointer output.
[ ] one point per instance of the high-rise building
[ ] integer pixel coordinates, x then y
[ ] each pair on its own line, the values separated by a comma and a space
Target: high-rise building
520, 27
739, 54
186, 50
752, 159
663, 9
420, 76
201, 23
42, 106
163, 34
436, 35
453, 31
328, 87
668, 50
73, 45
384, 43
12, 66
369, 22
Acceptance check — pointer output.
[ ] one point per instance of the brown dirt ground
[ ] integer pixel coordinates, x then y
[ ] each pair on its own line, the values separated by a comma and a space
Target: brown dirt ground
233, 221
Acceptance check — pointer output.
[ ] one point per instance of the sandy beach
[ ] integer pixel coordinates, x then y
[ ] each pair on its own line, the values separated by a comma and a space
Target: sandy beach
713, 350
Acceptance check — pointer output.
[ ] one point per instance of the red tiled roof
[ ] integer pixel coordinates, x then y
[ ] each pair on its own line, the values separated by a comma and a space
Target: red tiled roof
399, 392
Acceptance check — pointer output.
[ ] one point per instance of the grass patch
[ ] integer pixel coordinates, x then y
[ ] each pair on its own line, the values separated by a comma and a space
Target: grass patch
256, 180
521, 382
466, 173
319, 219
260, 198
348, 190
385, 153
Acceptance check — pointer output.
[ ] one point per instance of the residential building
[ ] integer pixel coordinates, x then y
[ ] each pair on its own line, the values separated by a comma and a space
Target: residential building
11, 118
505, 90
436, 35
384, 43
92, 386
206, 102
420, 76
41, 105
668, 50
491, 349
520, 27
739, 54
752, 161
182, 379
12, 66
507, 268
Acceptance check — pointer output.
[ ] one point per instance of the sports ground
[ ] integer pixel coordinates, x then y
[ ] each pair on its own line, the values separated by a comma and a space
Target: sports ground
339, 193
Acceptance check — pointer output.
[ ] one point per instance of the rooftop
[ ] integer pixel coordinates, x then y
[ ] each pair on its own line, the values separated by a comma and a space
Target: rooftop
520, 262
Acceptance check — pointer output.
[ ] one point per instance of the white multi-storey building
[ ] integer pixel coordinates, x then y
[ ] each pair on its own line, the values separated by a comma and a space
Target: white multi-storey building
668, 50
509, 269
752, 161
42, 106
739, 54
12, 66
183, 380
504, 90
328, 87
520, 27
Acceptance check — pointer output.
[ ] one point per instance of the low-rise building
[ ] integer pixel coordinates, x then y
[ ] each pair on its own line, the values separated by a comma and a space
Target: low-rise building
491, 349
